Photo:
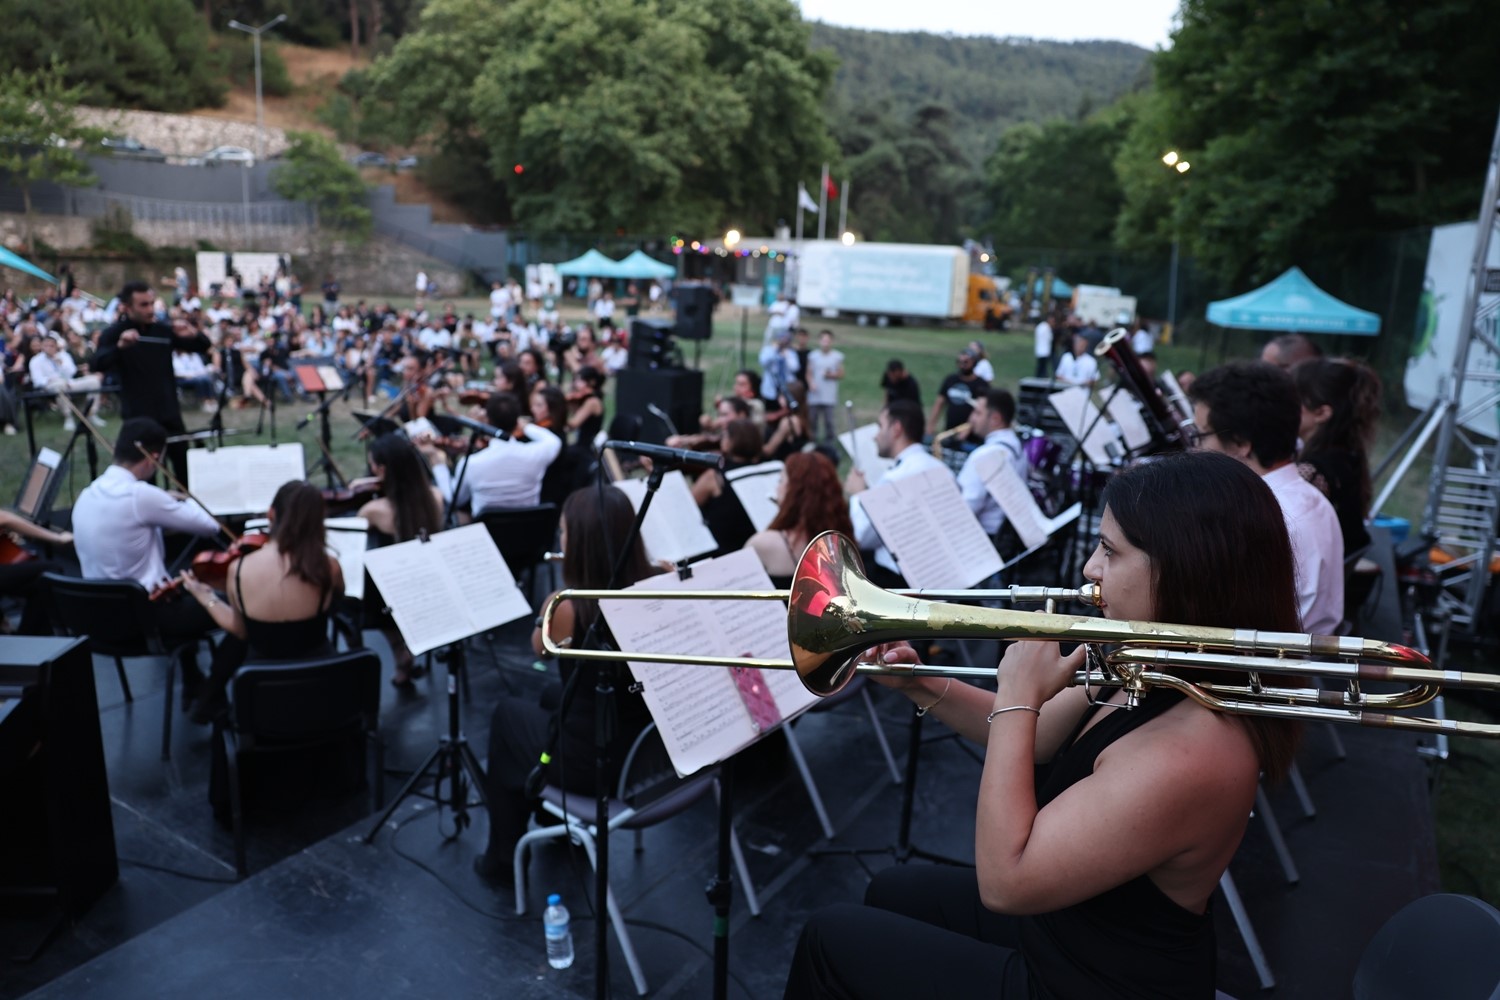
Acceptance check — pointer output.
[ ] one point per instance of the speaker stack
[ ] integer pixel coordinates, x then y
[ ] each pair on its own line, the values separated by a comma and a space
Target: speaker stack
654, 373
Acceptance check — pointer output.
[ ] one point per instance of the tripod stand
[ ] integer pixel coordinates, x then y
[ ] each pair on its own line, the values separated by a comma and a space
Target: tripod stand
451, 758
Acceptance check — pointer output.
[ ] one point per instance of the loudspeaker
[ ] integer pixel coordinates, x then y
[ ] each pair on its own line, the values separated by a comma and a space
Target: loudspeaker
651, 344
695, 311
676, 391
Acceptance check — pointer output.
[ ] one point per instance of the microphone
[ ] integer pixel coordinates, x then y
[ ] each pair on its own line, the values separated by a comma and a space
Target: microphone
673, 456
475, 425
660, 414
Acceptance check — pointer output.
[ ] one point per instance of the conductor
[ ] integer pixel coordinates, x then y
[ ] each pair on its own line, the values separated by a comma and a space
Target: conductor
138, 350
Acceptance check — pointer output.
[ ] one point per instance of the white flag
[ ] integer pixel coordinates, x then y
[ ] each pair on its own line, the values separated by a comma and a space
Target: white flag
804, 200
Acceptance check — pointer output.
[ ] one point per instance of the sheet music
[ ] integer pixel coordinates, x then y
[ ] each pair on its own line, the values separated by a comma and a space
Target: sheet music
348, 537
1015, 499
755, 486
698, 709
861, 447
936, 539
1077, 410
1061, 520
448, 588
43, 467
1123, 410
674, 528
332, 380
416, 428
243, 479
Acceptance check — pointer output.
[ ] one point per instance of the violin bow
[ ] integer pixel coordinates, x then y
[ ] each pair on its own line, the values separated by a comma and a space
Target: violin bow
161, 467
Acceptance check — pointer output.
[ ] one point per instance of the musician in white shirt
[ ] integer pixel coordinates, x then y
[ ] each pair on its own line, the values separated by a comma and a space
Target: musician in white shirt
993, 412
1251, 411
901, 426
1078, 367
508, 472
53, 370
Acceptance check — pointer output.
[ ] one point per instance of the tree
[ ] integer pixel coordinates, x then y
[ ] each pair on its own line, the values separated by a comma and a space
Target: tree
1054, 185
1311, 125
313, 171
40, 135
629, 115
911, 181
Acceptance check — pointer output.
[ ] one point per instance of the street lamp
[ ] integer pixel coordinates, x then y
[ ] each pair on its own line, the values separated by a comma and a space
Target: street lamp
732, 239
260, 113
847, 239
1177, 163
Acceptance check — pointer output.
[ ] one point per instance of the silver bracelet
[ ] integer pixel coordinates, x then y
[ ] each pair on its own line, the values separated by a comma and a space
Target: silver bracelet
923, 711
1012, 708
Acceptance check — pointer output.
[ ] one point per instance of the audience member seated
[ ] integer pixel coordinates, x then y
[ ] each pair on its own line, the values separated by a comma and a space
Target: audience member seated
722, 512
809, 501
594, 524
277, 598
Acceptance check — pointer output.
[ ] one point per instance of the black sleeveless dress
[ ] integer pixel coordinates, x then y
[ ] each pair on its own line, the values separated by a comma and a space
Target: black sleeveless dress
1131, 941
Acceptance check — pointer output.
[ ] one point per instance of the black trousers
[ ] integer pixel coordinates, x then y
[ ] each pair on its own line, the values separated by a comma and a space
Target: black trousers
24, 580
183, 622
922, 933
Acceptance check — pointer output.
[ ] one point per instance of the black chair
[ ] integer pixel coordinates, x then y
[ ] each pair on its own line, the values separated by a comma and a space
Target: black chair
285, 707
1443, 945
523, 535
115, 617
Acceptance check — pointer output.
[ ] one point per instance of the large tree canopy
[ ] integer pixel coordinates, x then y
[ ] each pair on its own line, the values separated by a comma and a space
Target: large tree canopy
1054, 184
1310, 123
624, 114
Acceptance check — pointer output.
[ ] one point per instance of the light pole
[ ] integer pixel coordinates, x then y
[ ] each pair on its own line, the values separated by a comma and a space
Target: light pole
260, 112
1177, 163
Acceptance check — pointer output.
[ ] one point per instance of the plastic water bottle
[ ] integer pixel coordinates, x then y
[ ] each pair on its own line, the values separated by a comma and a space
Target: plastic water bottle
559, 937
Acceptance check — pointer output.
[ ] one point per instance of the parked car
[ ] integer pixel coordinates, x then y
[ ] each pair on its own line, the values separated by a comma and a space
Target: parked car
407, 163
228, 154
371, 160
124, 145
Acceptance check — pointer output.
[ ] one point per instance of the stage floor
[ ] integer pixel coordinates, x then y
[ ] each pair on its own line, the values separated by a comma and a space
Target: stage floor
322, 914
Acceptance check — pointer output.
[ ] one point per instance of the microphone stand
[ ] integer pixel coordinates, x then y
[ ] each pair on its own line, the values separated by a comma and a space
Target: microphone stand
450, 516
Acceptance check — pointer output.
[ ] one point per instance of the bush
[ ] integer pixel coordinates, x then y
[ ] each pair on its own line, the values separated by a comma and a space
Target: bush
237, 52
114, 232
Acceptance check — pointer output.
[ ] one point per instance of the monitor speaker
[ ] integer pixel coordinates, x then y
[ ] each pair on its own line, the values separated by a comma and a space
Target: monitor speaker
677, 392
652, 345
695, 311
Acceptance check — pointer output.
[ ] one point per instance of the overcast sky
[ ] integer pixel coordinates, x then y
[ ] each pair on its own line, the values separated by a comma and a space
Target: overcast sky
1144, 22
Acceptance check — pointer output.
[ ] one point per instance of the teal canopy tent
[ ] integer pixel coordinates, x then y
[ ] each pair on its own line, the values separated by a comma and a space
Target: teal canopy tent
591, 265
1060, 288
1293, 304
640, 266
8, 259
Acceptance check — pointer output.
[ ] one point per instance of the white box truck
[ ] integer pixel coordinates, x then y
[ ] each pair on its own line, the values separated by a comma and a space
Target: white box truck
881, 282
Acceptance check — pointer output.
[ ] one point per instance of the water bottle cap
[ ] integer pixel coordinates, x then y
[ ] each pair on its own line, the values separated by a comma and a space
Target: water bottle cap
554, 899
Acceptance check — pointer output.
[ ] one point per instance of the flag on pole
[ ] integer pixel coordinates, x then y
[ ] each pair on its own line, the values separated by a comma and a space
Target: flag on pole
804, 200
832, 189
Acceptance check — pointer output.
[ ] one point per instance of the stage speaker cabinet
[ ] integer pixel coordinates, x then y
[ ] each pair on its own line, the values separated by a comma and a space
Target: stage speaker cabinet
677, 392
651, 344
695, 310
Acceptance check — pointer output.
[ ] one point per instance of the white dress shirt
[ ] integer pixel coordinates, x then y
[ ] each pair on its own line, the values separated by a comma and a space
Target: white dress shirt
1317, 549
971, 484
508, 473
913, 460
1079, 369
117, 525
45, 369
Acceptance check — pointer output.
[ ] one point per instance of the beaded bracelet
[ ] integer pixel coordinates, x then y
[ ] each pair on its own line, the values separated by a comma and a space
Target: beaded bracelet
923, 711
1010, 708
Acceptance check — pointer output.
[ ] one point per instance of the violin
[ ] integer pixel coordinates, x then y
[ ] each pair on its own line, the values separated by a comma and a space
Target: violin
213, 567
474, 397
338, 502
12, 552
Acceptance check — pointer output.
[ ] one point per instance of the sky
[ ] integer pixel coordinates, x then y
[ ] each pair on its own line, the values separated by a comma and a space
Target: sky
1144, 22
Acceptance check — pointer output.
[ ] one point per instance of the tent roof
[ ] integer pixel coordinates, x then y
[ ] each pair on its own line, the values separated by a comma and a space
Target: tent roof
19, 263
639, 265
1292, 304
592, 264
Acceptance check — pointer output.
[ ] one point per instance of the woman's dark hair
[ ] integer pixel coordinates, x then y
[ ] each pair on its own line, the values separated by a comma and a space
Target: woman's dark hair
796, 395
813, 501
557, 407
1352, 391
745, 440
512, 374
541, 364
598, 519
408, 485
591, 377
1220, 556
297, 529
753, 376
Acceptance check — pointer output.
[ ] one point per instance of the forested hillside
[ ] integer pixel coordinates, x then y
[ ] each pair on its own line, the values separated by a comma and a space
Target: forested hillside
985, 84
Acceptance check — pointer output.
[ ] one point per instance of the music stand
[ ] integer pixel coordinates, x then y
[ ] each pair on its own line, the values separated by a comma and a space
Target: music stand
321, 377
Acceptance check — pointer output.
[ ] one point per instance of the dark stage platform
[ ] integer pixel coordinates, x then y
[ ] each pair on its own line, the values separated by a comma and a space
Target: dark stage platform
325, 915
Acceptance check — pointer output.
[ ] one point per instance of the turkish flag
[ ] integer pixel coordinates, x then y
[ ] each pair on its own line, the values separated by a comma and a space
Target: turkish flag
833, 191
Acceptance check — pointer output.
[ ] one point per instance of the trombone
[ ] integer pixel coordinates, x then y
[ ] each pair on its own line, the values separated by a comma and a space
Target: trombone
835, 613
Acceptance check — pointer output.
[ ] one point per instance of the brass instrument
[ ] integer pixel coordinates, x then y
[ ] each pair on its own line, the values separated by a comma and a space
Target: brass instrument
835, 613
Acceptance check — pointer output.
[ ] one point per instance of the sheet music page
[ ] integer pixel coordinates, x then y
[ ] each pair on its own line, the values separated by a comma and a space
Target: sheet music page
1078, 412
415, 428
674, 528
1122, 409
348, 537
46, 456
243, 479
755, 486
332, 380
698, 708
1010, 492
448, 588
861, 448
936, 539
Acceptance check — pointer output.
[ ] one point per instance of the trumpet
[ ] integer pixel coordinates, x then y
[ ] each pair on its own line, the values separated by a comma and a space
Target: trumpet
835, 614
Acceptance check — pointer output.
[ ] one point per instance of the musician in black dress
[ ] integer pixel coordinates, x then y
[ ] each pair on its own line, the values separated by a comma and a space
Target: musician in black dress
137, 350
1094, 871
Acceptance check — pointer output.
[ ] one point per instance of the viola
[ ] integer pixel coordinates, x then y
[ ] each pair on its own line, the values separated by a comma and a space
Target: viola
213, 567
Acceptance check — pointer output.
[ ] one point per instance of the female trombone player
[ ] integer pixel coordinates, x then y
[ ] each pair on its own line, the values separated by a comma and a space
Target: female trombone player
1101, 832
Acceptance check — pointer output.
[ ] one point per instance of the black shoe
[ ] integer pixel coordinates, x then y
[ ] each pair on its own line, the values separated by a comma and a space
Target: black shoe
501, 876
